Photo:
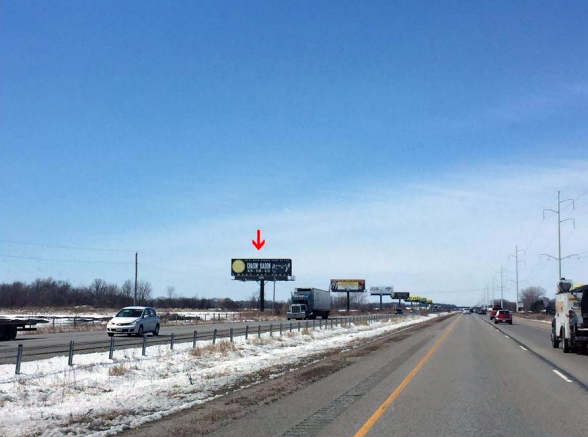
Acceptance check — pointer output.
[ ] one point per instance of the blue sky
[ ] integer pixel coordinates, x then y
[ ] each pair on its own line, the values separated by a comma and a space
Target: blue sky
179, 128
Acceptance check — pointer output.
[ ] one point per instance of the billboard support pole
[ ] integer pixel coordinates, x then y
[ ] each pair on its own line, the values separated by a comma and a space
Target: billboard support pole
262, 295
380, 302
274, 300
348, 308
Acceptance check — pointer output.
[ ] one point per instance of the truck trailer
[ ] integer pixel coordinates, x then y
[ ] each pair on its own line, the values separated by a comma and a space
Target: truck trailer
310, 303
9, 326
570, 324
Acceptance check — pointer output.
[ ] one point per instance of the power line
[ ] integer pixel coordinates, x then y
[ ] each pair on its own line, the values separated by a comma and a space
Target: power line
64, 260
65, 247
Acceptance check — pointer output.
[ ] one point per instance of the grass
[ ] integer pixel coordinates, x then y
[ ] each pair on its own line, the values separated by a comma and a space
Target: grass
361, 322
224, 347
118, 370
305, 332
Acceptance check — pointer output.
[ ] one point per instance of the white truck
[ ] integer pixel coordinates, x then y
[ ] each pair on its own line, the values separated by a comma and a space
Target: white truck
570, 324
310, 303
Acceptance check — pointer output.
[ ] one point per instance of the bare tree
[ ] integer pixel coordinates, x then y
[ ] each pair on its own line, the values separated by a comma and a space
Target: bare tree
530, 295
128, 289
98, 290
171, 292
144, 291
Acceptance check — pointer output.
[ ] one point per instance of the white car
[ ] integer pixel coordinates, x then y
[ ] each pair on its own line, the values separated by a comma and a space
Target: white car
134, 320
465, 312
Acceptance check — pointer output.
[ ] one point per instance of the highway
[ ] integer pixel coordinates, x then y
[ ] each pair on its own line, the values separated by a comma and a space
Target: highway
462, 376
41, 346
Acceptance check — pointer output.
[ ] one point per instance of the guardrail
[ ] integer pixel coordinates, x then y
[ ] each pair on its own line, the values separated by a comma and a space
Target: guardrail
120, 343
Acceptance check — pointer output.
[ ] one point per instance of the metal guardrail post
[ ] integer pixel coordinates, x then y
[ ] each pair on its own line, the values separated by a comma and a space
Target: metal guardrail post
306, 325
214, 336
53, 322
313, 324
71, 351
144, 351
246, 332
290, 326
194, 339
111, 351
231, 334
298, 326
271, 327
258, 331
331, 323
171, 343
320, 324
18, 359
280, 329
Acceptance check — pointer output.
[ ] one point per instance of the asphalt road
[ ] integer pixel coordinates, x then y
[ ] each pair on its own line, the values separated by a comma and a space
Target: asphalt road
459, 377
38, 346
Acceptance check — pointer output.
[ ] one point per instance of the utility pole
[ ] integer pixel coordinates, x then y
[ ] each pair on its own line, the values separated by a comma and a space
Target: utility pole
516, 257
493, 291
559, 222
486, 296
501, 287
136, 276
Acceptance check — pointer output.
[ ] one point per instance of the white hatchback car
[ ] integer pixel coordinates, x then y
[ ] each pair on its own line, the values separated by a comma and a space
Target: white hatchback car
134, 320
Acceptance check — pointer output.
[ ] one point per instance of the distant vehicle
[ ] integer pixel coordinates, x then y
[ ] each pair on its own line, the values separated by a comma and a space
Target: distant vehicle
570, 324
134, 320
482, 311
493, 311
503, 316
398, 311
310, 303
465, 311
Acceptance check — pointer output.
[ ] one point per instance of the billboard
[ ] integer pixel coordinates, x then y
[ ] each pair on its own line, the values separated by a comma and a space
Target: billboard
399, 295
343, 285
255, 269
375, 291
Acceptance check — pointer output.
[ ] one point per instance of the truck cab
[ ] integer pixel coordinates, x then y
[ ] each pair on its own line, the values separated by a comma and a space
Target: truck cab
298, 311
570, 324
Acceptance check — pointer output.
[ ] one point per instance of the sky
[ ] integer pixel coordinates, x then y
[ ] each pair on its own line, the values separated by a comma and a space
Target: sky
413, 144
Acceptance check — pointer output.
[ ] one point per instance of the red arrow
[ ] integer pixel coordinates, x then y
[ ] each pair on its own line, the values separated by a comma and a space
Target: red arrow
259, 244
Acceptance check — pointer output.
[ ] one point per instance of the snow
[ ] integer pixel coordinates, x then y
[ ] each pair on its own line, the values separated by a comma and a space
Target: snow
50, 398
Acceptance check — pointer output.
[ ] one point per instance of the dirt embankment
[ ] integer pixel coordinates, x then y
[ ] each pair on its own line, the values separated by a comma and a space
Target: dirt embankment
533, 316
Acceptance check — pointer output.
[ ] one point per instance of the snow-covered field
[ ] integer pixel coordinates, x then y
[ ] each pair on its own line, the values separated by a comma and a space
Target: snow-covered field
100, 397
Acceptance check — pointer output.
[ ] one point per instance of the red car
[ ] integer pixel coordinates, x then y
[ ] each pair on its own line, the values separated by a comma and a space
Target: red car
493, 312
503, 316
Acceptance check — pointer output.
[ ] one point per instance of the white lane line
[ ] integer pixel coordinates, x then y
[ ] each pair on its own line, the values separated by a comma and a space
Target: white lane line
522, 348
507, 336
562, 376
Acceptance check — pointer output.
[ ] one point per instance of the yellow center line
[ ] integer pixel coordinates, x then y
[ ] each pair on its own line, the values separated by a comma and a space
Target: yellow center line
382, 408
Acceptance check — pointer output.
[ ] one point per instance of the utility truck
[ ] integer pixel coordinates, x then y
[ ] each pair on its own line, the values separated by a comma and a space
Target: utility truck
570, 324
310, 303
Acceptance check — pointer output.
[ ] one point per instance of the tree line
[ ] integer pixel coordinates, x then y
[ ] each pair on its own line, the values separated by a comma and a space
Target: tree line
101, 294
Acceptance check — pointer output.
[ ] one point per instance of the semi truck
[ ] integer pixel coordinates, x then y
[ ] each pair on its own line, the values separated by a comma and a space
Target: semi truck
570, 324
310, 303
9, 326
